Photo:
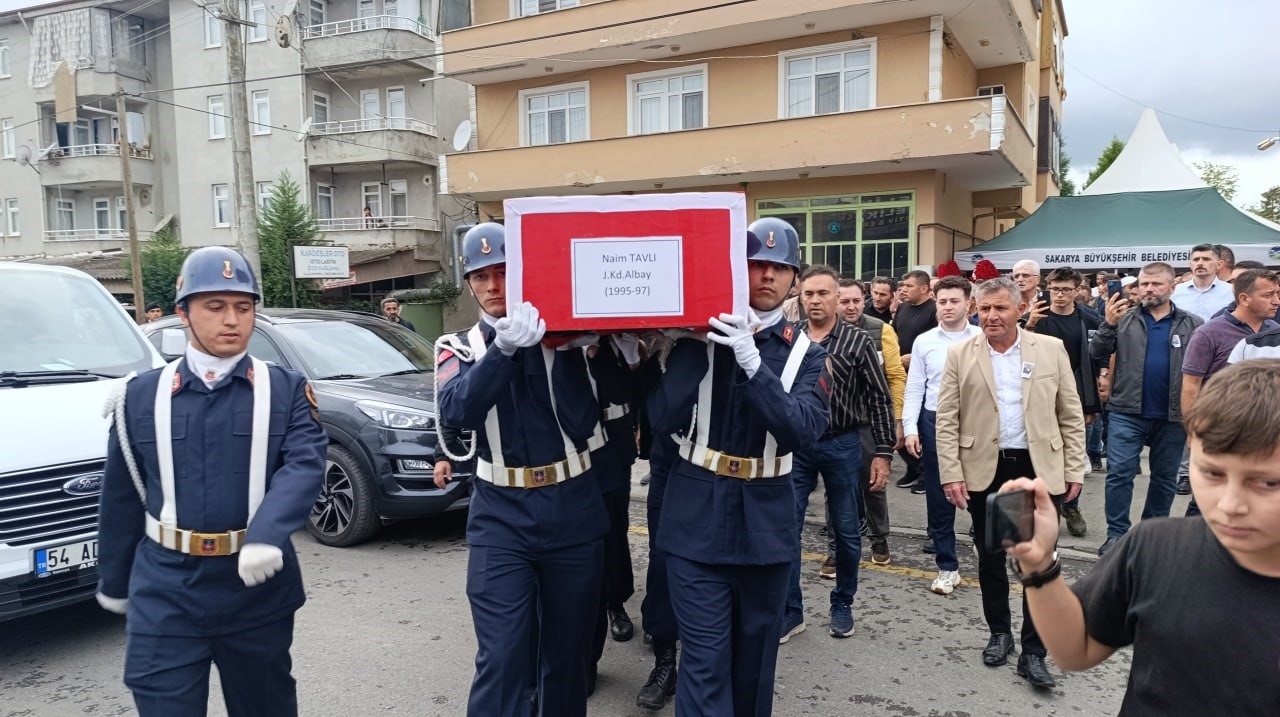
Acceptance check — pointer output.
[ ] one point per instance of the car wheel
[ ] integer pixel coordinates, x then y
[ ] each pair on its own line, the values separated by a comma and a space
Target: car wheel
343, 514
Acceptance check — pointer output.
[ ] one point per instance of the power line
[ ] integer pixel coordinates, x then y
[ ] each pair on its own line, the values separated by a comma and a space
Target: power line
1140, 103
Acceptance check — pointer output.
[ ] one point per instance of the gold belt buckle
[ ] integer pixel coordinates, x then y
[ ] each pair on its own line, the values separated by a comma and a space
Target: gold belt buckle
541, 476
209, 544
735, 467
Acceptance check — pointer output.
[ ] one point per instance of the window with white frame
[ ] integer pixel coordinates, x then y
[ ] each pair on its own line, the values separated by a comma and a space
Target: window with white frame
102, 215
221, 205
317, 12
122, 214
837, 78
8, 141
324, 201
398, 192
371, 197
6, 60
217, 117
555, 115
533, 7
990, 90
212, 29
257, 32
319, 107
261, 112
11, 225
668, 100
264, 194
65, 214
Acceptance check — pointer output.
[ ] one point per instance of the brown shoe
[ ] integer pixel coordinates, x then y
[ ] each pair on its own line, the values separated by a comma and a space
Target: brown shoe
880, 552
828, 571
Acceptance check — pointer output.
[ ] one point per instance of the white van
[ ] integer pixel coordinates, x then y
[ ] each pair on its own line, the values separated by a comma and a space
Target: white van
65, 345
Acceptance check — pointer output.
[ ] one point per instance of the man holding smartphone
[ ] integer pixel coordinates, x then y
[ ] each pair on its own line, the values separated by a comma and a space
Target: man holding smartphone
1007, 408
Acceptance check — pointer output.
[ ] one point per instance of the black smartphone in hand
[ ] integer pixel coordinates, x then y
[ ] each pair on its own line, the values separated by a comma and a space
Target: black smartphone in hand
1114, 287
1010, 519
1044, 297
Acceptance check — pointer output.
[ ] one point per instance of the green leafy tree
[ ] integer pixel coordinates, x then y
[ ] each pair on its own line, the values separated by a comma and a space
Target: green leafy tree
1222, 177
1269, 207
162, 259
1066, 186
284, 223
1105, 159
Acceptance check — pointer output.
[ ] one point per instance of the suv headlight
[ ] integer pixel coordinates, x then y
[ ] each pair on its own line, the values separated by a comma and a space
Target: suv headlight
393, 416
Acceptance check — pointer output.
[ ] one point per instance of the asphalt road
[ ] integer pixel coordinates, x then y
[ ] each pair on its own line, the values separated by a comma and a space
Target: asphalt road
387, 630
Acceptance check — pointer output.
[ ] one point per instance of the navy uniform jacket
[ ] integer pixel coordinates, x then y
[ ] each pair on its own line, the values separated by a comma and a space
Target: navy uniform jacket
730, 521
555, 516
181, 595
614, 387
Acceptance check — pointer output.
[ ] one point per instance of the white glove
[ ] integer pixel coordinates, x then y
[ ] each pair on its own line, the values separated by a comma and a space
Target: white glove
519, 329
736, 334
629, 346
258, 562
588, 339
117, 605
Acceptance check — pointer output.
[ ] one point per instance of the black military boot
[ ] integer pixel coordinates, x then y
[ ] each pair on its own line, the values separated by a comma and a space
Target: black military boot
662, 680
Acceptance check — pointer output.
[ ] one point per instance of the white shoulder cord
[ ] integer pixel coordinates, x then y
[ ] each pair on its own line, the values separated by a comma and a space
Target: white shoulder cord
113, 411
451, 342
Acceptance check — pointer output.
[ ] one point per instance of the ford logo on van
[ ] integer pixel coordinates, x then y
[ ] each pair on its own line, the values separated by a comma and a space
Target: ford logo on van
88, 484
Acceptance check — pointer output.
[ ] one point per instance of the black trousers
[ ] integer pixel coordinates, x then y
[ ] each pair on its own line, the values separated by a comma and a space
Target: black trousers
619, 579
993, 575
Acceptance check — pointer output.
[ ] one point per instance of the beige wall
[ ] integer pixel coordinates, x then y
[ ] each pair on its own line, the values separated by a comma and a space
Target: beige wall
959, 76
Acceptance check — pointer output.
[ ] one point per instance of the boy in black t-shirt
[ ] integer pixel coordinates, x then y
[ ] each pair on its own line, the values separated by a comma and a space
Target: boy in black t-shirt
1197, 598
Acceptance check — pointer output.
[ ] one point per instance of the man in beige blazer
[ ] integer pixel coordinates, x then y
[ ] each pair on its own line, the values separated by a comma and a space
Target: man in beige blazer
1007, 408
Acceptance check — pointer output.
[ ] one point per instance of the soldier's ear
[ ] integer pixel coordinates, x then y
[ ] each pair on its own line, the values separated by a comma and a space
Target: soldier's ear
181, 311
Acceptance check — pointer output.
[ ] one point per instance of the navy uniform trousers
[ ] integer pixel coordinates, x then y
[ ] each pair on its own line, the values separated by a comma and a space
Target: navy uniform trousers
728, 540
536, 554
188, 611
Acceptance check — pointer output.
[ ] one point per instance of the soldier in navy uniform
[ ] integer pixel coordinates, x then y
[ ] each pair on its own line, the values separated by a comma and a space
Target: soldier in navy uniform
537, 521
741, 400
213, 462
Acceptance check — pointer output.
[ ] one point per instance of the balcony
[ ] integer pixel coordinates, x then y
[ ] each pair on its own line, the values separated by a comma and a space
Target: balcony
368, 41
992, 32
373, 140
976, 141
87, 165
422, 234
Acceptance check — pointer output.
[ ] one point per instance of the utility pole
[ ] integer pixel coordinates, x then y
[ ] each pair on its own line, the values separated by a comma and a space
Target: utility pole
241, 152
126, 174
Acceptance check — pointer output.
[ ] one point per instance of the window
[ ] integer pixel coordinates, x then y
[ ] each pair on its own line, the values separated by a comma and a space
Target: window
391, 8
264, 194
319, 107
1048, 154
990, 90
324, 201
862, 236
396, 111
369, 101
399, 193
533, 7
261, 112
212, 29
554, 115
11, 217
122, 214
5, 59
65, 210
82, 133
217, 117
838, 78
317, 12
667, 101
8, 142
371, 197
257, 15
102, 215
221, 205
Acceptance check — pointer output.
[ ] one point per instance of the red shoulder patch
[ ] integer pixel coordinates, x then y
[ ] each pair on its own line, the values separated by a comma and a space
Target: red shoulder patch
788, 333
177, 383
249, 375
448, 370
444, 355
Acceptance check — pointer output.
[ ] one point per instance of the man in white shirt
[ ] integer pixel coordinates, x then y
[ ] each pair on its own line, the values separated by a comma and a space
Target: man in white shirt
919, 417
1206, 294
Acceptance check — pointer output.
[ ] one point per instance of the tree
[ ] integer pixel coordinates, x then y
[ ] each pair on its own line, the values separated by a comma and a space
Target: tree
1269, 207
1105, 159
162, 259
1066, 187
1222, 177
284, 223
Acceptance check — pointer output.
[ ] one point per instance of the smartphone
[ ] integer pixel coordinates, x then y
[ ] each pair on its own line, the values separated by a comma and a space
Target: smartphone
1114, 287
1010, 519
1044, 297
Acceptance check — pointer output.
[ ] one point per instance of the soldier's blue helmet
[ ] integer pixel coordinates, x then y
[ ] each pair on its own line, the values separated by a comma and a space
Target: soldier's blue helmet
483, 245
773, 239
215, 269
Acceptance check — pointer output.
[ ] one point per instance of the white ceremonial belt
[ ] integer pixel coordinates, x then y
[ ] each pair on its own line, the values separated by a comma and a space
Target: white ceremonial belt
723, 464
188, 542
534, 476
616, 411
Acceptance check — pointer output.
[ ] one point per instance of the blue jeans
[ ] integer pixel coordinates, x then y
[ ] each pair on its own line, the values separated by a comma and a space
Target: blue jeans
1096, 436
838, 460
942, 515
1126, 435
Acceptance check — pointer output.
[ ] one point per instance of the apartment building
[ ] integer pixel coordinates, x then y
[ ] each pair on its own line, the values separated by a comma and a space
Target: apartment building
889, 133
352, 107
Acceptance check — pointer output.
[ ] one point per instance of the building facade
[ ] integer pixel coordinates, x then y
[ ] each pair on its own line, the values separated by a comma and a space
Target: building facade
351, 106
889, 134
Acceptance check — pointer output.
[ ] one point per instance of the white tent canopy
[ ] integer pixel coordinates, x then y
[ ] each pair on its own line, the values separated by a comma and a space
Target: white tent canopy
1148, 163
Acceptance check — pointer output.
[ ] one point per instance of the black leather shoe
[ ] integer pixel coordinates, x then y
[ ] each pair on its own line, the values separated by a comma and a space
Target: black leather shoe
929, 547
1106, 545
648, 638
662, 680
1184, 485
998, 649
1032, 668
620, 625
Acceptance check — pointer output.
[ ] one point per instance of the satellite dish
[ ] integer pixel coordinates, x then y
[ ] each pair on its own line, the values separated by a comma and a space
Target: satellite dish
462, 136
24, 155
304, 130
284, 30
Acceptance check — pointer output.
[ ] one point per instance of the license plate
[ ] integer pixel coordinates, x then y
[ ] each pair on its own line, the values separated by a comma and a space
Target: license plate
61, 558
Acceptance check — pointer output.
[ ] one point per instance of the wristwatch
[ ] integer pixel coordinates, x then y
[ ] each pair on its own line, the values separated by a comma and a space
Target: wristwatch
1035, 580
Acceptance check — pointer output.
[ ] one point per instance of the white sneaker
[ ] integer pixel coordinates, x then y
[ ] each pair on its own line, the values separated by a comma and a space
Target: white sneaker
946, 582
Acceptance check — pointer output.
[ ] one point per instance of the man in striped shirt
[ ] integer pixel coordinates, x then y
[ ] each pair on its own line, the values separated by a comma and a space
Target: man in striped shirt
856, 377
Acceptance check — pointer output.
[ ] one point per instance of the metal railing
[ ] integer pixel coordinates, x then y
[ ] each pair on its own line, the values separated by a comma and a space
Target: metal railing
361, 24
351, 224
90, 235
373, 124
97, 150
